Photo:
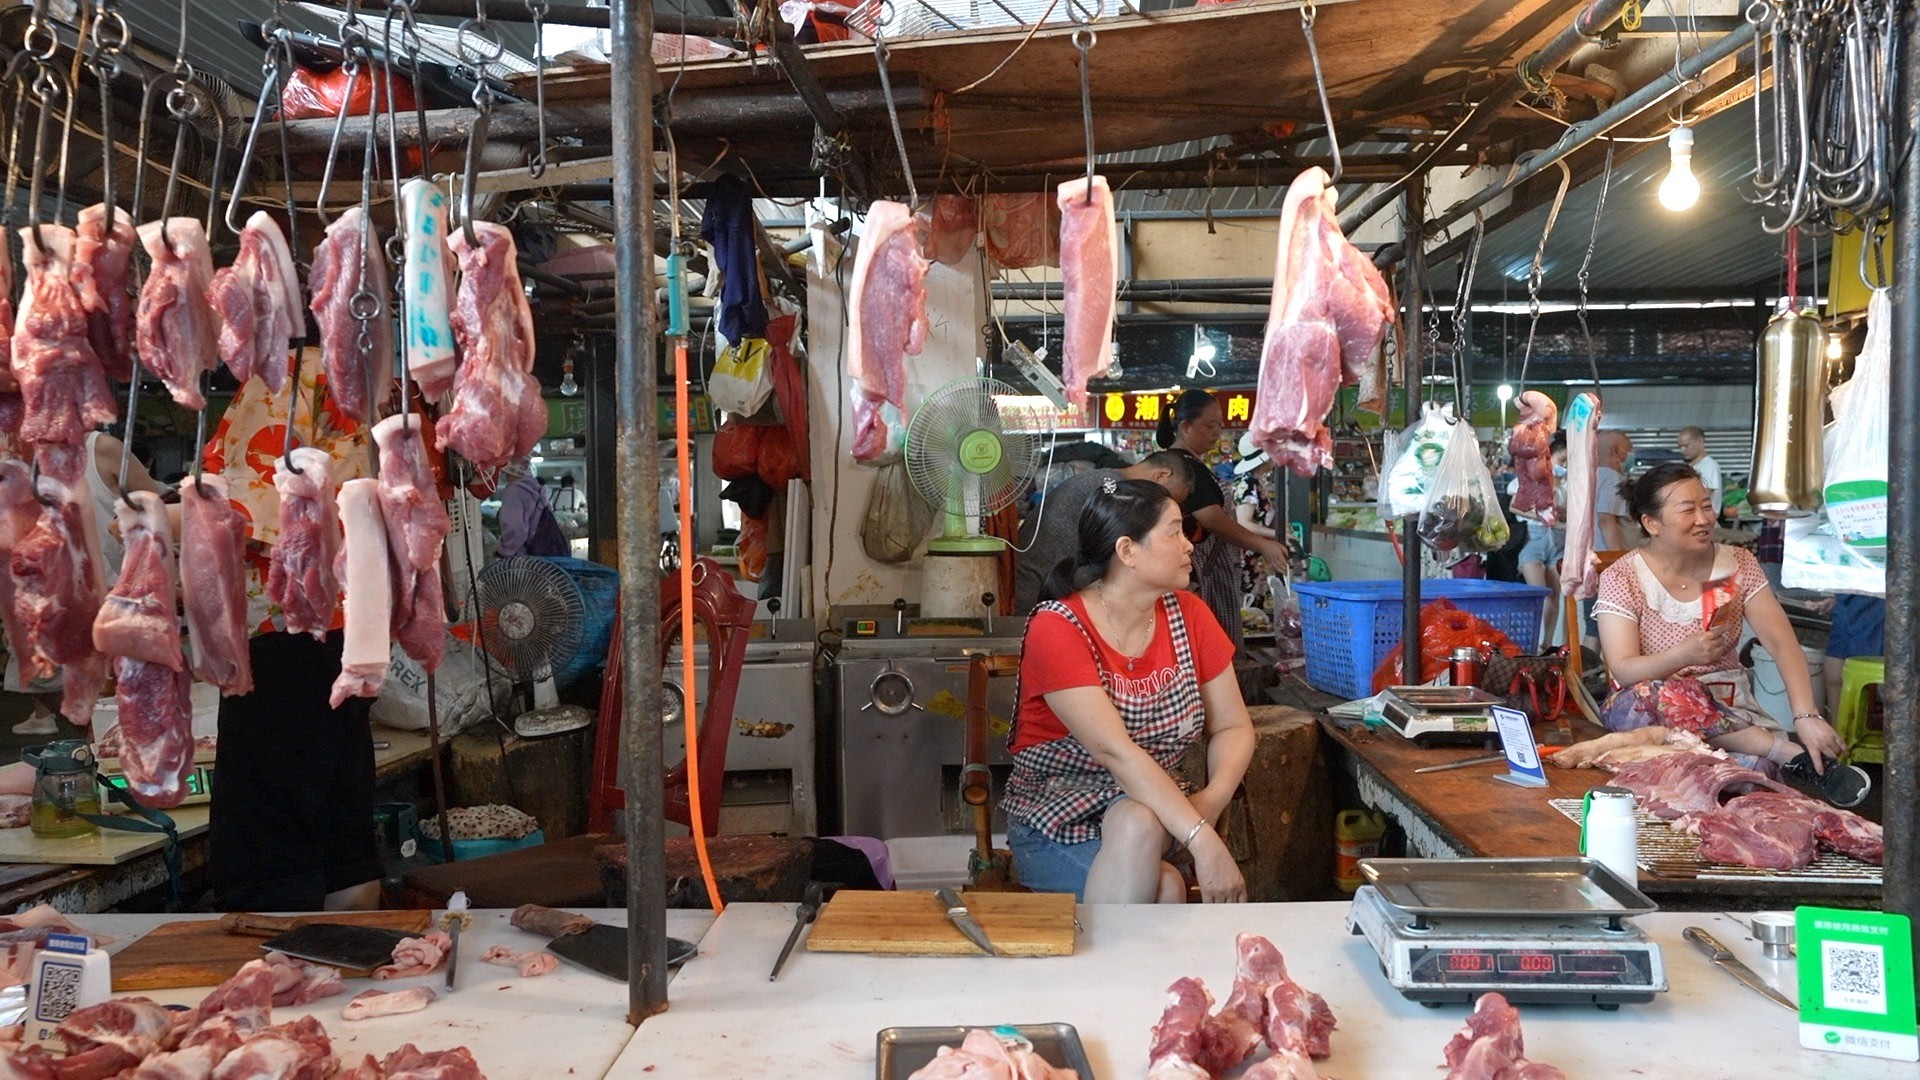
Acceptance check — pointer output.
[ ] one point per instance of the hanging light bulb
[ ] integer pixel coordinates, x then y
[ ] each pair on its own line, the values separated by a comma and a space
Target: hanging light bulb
568, 387
1835, 350
1504, 392
1679, 191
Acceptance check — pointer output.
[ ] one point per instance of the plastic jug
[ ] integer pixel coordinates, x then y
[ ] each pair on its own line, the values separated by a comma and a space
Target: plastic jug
1609, 832
63, 788
1356, 836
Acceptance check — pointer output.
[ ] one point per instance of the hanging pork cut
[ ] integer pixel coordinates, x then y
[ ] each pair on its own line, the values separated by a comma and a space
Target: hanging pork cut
59, 581
8, 385
213, 583
156, 729
358, 351
1330, 312
64, 392
1579, 565
300, 576
1090, 272
102, 259
1531, 445
177, 331
19, 513
886, 323
428, 319
257, 302
362, 567
417, 528
497, 414
138, 617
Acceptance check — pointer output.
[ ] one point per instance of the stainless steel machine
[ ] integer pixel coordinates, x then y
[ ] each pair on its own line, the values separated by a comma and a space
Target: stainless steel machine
902, 691
771, 785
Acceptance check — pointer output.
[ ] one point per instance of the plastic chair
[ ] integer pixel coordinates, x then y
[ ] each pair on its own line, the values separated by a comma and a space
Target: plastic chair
727, 618
1851, 719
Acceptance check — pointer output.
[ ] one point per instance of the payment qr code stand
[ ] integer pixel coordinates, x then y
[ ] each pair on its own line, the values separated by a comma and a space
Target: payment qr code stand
1856, 983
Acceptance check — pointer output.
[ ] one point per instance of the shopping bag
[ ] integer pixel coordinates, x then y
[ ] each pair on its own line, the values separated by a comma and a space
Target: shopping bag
742, 378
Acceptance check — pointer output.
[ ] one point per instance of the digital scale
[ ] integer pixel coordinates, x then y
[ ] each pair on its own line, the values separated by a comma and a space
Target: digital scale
113, 781
1441, 715
1549, 931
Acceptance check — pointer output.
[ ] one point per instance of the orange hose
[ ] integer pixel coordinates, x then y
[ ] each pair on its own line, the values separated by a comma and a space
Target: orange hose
682, 450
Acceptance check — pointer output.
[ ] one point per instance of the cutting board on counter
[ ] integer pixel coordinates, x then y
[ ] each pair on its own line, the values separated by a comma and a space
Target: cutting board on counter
911, 923
198, 953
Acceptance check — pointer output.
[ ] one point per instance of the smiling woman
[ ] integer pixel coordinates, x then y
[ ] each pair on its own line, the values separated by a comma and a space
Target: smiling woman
1120, 671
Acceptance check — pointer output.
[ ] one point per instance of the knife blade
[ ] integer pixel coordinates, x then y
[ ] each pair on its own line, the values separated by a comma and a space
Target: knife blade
1723, 958
808, 910
958, 914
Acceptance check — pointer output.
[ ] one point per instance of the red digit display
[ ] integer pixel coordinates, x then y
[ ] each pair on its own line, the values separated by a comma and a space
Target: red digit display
1469, 961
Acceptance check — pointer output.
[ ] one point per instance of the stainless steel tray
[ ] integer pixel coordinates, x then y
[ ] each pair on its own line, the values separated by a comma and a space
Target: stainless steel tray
1442, 699
1504, 887
904, 1050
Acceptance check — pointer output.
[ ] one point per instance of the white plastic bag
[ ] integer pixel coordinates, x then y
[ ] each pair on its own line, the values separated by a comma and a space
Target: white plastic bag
1461, 512
742, 379
1856, 442
1816, 559
1417, 458
461, 686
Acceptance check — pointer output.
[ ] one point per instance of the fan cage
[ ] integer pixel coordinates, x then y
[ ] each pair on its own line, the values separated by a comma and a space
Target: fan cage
531, 616
935, 438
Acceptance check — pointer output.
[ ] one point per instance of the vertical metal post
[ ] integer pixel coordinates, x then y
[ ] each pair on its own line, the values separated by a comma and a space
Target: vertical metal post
1901, 817
637, 464
1416, 289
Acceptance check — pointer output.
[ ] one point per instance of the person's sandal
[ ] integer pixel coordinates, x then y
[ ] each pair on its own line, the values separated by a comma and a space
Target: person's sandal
1842, 785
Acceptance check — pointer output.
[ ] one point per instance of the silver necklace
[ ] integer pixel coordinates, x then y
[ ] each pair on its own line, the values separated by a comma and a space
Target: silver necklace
1100, 593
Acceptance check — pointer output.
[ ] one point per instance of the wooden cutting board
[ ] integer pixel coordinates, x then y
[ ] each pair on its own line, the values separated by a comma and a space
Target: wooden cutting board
199, 953
914, 923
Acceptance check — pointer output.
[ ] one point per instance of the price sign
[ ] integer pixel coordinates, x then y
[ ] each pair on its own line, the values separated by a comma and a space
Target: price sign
1523, 755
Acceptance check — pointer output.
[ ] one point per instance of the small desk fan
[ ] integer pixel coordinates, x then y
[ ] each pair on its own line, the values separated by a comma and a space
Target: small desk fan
531, 615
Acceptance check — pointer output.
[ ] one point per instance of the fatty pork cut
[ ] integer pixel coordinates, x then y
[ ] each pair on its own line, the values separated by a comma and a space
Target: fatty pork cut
428, 339
59, 582
257, 302
1090, 271
1531, 445
137, 619
497, 414
300, 574
886, 322
417, 527
64, 392
362, 567
213, 583
177, 331
1579, 565
102, 258
358, 353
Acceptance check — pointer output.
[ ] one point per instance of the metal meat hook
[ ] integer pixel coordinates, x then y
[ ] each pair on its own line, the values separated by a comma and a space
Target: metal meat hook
477, 45
1308, 14
1084, 39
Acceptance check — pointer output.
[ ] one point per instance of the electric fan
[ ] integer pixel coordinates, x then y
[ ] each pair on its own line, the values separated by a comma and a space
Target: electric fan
531, 613
964, 460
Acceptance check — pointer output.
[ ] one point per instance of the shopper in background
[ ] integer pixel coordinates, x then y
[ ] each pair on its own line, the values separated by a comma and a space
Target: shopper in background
1540, 556
1120, 672
1859, 629
1052, 531
1610, 513
1192, 426
1253, 508
1692, 444
527, 524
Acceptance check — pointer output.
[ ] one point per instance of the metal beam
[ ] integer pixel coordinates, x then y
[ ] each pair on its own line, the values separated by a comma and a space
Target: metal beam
1901, 816
827, 117
517, 11
1415, 278
637, 466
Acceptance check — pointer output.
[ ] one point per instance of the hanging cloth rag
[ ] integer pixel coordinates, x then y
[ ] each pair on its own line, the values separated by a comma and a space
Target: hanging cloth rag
729, 227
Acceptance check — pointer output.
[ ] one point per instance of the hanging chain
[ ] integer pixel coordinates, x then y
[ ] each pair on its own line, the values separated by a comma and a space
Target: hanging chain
538, 10
1462, 304
1084, 38
1586, 263
1308, 14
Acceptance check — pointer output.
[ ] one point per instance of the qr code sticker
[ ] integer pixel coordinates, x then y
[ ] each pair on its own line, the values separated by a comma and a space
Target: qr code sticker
1855, 977
59, 991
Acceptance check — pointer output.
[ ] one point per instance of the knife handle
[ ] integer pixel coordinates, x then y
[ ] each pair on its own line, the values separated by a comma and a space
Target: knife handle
241, 922
1706, 943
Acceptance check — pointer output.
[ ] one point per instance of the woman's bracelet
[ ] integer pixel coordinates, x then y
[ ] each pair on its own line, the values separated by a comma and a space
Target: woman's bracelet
1193, 832
1808, 716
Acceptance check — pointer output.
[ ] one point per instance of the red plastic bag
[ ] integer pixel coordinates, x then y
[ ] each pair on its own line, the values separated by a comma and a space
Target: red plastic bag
313, 95
752, 548
779, 462
736, 451
1444, 627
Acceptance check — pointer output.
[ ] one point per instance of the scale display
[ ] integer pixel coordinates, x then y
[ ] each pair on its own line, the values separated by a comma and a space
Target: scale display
1450, 966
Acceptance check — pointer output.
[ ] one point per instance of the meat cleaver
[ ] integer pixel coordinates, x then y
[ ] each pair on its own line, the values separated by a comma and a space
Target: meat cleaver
354, 948
603, 950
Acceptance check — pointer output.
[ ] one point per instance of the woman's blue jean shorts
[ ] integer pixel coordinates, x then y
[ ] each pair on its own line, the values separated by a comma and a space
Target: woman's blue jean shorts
1046, 865
1543, 546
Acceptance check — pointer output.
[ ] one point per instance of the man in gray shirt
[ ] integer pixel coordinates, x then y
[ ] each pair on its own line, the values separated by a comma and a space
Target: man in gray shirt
1052, 531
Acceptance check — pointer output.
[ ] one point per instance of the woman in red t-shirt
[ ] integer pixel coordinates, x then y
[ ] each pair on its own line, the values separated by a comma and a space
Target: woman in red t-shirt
1120, 670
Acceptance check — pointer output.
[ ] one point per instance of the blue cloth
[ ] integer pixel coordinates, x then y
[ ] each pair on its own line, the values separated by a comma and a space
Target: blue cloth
1046, 865
1859, 627
729, 226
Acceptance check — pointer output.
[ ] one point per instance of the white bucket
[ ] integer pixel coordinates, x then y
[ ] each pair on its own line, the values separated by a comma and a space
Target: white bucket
1770, 688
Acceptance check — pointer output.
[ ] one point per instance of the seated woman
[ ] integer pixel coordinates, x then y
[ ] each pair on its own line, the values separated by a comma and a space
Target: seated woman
1670, 615
1120, 670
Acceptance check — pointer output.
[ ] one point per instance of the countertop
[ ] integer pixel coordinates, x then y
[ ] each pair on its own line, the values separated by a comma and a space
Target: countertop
821, 1018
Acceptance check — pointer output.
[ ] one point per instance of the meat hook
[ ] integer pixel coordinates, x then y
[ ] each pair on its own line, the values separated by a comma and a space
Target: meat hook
1308, 13
353, 48
47, 86
538, 10
893, 115
477, 45
1586, 263
1083, 41
1537, 273
126, 433
109, 35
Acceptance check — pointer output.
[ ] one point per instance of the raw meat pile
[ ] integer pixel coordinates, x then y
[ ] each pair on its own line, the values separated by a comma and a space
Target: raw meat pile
531, 963
25, 933
1330, 312
497, 413
545, 921
984, 1055
886, 323
1265, 1006
1090, 272
1490, 1047
1531, 445
417, 956
1762, 823
1579, 565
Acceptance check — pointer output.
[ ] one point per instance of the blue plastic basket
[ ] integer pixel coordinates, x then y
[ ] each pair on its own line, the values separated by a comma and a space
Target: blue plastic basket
1349, 627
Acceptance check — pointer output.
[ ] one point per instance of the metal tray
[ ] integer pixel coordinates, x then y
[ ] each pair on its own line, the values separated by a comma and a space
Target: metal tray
1441, 699
902, 1051
1504, 887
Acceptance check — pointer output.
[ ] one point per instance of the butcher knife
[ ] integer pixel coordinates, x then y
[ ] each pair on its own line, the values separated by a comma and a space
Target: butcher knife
356, 948
957, 912
1723, 956
602, 949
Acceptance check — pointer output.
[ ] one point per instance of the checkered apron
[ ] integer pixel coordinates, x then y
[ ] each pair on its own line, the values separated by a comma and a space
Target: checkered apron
1058, 789
1216, 577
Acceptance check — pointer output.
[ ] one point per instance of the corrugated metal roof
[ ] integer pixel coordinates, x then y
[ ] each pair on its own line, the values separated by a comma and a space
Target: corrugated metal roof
1718, 245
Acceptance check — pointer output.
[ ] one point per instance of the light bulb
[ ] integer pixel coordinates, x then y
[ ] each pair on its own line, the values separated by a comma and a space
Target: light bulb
568, 388
1834, 350
1504, 392
1679, 191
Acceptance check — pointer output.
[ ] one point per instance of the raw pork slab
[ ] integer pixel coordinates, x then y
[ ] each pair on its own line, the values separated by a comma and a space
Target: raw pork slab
102, 259
497, 414
362, 567
64, 392
1531, 445
138, 618
257, 304
177, 332
1090, 269
213, 583
347, 262
886, 322
1579, 565
300, 575
417, 526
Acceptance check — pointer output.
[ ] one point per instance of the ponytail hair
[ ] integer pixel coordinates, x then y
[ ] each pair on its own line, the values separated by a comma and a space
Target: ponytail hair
1125, 508
1186, 408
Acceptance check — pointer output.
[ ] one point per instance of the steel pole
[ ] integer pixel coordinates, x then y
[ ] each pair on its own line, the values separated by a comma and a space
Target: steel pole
1901, 817
1416, 289
637, 467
